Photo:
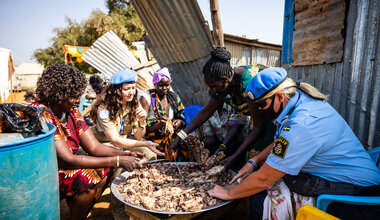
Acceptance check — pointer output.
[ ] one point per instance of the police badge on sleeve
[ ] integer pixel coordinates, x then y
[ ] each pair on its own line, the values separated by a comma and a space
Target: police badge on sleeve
280, 147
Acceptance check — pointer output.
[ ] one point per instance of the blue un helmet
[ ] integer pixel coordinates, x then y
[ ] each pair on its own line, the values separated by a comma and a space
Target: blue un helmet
124, 76
264, 82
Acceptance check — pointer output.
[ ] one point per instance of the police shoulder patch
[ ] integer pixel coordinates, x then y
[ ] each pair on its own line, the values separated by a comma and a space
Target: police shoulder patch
103, 114
280, 147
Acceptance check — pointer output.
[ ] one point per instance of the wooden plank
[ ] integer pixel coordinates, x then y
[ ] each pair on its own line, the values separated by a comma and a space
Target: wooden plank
239, 207
143, 65
137, 214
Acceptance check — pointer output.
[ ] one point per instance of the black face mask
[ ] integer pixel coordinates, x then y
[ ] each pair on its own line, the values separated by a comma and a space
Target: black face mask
269, 112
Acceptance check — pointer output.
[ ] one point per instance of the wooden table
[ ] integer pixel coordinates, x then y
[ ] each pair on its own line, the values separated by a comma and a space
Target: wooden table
237, 208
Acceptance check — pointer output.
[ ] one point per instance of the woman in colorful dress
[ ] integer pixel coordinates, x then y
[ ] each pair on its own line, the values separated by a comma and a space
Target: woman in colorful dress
227, 85
119, 118
166, 115
82, 178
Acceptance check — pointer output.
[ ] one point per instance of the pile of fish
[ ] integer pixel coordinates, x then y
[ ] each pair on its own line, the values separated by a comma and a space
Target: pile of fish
168, 187
160, 187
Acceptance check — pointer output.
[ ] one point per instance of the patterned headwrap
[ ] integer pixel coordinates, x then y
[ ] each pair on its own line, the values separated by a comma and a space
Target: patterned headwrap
159, 74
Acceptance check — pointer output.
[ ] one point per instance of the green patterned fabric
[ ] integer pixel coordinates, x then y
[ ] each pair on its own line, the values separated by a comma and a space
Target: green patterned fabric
246, 76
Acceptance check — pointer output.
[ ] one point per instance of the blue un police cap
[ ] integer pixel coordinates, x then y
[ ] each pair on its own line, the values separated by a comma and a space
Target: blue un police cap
265, 81
123, 76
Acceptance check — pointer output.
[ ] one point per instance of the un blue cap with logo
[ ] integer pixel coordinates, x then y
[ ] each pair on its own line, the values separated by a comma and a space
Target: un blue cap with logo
124, 76
265, 81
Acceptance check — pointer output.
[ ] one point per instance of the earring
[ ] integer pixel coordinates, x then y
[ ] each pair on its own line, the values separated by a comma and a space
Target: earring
225, 85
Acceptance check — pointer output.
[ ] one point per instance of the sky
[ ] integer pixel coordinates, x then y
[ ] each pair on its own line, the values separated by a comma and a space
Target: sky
27, 25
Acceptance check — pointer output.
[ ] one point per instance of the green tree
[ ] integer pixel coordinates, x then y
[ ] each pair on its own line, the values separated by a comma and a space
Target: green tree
121, 18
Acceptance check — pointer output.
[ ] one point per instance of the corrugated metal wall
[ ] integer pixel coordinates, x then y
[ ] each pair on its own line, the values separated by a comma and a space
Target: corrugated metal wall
316, 41
353, 85
176, 29
266, 57
242, 55
109, 54
180, 39
236, 51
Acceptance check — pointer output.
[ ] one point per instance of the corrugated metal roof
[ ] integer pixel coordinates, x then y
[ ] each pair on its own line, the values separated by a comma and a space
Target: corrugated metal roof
109, 54
353, 85
317, 36
180, 39
176, 29
251, 42
241, 54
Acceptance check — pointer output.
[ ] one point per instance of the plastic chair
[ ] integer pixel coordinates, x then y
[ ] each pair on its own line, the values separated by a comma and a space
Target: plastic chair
323, 201
308, 212
190, 112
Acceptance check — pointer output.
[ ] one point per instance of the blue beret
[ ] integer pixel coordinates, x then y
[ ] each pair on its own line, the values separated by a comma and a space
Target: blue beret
124, 76
265, 81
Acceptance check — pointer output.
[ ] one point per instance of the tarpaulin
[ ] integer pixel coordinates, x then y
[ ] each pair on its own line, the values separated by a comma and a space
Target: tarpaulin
74, 53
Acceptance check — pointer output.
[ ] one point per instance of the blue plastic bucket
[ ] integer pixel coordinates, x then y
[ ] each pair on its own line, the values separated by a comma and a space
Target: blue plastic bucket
29, 186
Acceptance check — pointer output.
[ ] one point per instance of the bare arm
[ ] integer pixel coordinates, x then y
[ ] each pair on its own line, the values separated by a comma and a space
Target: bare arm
66, 159
253, 135
261, 157
198, 120
115, 139
203, 115
139, 132
233, 132
248, 168
93, 147
254, 183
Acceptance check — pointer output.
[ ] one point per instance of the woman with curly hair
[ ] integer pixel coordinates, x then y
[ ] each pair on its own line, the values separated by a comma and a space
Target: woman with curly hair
227, 85
118, 117
166, 115
82, 178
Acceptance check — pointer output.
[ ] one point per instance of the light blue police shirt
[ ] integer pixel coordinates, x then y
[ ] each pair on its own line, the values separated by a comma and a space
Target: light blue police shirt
315, 139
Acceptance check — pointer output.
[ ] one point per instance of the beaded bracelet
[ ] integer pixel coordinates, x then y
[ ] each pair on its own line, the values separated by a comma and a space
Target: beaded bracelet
117, 161
253, 162
182, 134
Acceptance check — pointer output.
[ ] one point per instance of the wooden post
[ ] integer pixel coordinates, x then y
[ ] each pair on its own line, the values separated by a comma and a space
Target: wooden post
216, 23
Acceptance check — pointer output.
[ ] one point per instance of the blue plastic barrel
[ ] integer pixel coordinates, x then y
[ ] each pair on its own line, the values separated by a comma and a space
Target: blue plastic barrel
29, 178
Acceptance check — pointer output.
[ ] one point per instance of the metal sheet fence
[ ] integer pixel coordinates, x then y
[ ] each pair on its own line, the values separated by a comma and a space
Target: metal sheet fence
353, 86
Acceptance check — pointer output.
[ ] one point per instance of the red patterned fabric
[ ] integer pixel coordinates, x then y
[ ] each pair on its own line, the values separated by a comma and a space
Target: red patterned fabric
79, 180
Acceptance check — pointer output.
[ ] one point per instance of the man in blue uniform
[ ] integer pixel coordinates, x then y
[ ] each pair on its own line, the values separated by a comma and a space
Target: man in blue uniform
312, 140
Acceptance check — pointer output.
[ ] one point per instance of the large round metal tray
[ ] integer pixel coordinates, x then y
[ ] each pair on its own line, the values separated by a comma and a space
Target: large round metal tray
122, 178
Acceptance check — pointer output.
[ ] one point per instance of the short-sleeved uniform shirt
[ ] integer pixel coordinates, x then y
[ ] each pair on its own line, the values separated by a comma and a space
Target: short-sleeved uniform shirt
121, 124
313, 138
